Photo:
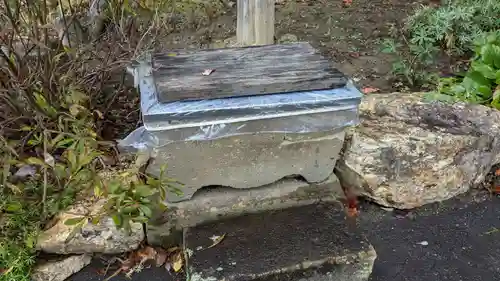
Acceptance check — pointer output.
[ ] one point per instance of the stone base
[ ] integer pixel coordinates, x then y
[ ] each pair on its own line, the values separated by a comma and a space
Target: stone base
214, 204
247, 161
312, 242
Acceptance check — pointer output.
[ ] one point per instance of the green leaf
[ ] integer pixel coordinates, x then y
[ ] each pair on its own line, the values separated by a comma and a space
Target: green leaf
114, 187
130, 209
71, 156
485, 91
497, 77
146, 211
64, 143
13, 207
118, 220
486, 70
473, 80
490, 55
74, 221
163, 193
96, 220
496, 98
30, 241
143, 191
35, 161
26, 128
140, 219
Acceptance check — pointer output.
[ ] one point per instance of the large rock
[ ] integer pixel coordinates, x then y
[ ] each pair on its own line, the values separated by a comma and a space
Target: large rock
217, 203
100, 238
60, 270
408, 152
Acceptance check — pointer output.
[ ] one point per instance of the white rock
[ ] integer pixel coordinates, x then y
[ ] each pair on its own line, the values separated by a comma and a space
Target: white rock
101, 238
60, 270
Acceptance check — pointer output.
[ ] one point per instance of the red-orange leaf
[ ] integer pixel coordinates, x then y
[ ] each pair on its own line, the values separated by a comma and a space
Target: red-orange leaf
496, 190
347, 2
369, 90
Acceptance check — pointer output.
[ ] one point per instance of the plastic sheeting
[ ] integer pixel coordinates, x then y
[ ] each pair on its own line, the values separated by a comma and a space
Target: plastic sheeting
300, 112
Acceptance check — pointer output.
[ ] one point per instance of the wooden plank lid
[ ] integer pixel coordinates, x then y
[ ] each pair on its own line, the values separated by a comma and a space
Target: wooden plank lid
248, 71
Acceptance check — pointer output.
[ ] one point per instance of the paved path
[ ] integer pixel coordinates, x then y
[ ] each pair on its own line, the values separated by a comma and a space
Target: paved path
457, 241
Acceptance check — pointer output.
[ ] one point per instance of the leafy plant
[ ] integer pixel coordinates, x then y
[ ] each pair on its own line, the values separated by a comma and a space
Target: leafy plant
453, 26
411, 65
54, 98
481, 83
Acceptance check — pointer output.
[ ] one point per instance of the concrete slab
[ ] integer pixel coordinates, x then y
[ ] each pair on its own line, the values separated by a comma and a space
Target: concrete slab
312, 242
217, 203
246, 161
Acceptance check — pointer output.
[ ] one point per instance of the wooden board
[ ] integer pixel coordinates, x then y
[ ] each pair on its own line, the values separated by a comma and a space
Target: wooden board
255, 22
245, 71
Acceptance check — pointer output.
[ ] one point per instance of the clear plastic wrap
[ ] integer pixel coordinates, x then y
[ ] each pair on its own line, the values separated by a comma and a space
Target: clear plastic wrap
300, 112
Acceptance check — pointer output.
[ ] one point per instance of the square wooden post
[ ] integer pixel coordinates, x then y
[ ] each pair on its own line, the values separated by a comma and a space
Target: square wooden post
255, 22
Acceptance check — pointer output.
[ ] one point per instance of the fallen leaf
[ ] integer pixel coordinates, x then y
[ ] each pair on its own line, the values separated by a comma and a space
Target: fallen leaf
207, 72
354, 54
49, 159
347, 2
99, 114
497, 172
369, 90
352, 206
493, 230
25, 171
101, 271
496, 190
173, 249
129, 263
178, 262
161, 257
352, 212
216, 240
146, 253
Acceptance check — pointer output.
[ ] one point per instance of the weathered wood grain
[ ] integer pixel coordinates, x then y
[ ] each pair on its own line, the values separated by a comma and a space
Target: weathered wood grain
242, 72
255, 22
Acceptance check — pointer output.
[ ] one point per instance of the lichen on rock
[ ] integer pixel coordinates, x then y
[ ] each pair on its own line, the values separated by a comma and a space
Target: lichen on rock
60, 270
408, 152
103, 237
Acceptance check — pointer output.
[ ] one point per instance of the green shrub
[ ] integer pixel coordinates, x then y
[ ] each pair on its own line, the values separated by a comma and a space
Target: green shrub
481, 83
49, 117
451, 27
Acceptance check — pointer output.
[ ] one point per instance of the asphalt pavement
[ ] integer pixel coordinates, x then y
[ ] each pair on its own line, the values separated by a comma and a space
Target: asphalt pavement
455, 240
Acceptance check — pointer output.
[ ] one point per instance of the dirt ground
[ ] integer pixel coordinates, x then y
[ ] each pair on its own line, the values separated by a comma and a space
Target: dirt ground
349, 35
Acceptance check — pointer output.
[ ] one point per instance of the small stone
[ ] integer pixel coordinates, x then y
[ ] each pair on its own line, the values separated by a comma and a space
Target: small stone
288, 38
60, 270
101, 238
25, 171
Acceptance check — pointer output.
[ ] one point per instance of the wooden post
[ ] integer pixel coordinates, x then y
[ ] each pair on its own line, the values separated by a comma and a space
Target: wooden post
255, 22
